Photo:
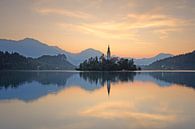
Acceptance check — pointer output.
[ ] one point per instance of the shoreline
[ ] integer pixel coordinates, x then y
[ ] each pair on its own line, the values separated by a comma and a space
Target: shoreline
77, 71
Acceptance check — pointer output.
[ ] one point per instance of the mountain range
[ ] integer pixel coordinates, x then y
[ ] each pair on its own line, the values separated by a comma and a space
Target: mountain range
148, 61
179, 62
33, 48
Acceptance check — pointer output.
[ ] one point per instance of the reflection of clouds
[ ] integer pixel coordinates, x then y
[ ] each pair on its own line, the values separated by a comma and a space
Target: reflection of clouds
124, 110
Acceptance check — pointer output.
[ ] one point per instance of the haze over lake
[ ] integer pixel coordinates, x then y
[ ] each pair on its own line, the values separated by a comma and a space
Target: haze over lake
86, 100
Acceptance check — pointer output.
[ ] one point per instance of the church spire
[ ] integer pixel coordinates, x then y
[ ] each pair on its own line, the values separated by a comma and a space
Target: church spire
108, 53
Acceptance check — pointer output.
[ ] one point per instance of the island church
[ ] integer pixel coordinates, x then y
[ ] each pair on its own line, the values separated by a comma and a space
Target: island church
108, 56
108, 53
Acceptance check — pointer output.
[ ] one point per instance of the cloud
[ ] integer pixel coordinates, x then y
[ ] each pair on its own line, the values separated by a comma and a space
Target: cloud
64, 12
160, 24
129, 26
101, 30
155, 17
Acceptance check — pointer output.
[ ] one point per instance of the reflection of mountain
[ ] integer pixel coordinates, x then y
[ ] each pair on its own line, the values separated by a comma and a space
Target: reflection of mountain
76, 80
181, 78
15, 79
146, 77
29, 86
28, 91
162, 79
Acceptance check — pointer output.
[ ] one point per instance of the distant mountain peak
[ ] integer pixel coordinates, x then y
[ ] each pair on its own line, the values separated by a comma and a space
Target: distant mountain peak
163, 54
31, 47
29, 39
148, 61
90, 50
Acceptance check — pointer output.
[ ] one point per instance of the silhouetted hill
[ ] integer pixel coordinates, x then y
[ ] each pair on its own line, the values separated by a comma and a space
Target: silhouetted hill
54, 62
33, 48
180, 62
15, 61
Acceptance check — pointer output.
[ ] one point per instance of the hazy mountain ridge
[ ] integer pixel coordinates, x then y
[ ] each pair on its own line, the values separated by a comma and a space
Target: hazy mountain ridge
148, 61
28, 47
33, 48
179, 62
77, 58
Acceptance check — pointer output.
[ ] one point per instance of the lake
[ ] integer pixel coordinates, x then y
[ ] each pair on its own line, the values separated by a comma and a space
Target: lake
97, 100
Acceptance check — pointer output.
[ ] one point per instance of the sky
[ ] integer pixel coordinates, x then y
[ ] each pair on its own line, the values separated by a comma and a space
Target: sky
132, 28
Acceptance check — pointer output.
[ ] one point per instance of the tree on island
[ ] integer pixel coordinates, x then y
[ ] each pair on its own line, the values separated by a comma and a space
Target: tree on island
109, 64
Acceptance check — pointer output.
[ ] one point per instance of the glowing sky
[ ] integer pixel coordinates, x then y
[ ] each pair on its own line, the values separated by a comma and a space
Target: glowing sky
133, 28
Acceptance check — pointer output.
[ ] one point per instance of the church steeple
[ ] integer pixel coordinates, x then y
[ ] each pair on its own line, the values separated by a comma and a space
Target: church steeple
108, 53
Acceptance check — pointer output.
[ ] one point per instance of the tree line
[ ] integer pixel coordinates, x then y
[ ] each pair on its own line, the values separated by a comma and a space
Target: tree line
101, 64
15, 61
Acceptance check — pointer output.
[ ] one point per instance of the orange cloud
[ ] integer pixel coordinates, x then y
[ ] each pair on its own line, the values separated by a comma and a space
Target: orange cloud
129, 26
101, 30
64, 12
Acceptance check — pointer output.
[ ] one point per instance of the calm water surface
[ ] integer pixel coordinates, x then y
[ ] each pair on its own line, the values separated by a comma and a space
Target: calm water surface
96, 100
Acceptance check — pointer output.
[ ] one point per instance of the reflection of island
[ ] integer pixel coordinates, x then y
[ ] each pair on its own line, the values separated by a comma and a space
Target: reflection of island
29, 86
108, 87
103, 77
108, 77
162, 79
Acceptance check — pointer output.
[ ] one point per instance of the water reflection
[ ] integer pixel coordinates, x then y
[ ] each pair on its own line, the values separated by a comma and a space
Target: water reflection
103, 77
108, 78
181, 78
72, 100
14, 79
29, 86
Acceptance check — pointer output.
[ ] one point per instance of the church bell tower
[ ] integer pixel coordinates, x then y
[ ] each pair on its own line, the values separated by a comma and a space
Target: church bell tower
108, 53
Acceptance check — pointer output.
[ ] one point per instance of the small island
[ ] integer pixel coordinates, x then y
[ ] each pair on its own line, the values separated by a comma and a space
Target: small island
108, 63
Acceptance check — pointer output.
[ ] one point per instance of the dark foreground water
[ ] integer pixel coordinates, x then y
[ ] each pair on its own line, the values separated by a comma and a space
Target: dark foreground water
91, 100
